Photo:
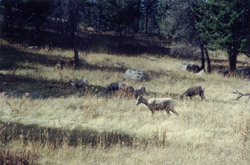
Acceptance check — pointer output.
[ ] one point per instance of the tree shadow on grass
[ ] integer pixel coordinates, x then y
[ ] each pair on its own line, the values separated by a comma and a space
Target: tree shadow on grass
128, 45
11, 57
17, 86
57, 136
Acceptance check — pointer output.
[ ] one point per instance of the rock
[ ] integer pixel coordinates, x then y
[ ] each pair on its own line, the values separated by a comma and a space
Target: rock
243, 71
189, 66
202, 72
135, 75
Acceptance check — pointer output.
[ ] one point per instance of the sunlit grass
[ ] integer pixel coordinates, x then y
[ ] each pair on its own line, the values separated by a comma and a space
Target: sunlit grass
214, 131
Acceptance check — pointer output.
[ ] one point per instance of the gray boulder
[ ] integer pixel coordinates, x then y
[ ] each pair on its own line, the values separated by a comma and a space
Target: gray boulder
135, 75
202, 72
189, 66
243, 71
240, 71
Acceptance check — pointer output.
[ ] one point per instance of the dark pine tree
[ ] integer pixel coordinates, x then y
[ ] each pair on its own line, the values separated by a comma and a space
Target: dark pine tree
225, 25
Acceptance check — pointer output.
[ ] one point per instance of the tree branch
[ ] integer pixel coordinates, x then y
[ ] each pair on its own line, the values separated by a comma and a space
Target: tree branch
240, 95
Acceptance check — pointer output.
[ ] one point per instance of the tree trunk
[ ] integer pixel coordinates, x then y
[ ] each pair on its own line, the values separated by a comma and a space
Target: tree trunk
76, 55
137, 26
202, 57
146, 21
159, 31
209, 69
9, 19
138, 19
232, 62
37, 24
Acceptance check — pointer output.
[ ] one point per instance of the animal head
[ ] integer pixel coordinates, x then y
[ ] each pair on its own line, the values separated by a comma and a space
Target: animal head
121, 84
203, 89
85, 82
181, 96
70, 82
142, 88
139, 100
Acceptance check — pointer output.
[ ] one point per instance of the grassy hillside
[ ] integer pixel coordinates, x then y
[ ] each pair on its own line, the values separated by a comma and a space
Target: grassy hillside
88, 127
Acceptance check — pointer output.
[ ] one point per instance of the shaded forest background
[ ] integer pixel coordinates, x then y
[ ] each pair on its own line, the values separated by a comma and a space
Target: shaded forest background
81, 24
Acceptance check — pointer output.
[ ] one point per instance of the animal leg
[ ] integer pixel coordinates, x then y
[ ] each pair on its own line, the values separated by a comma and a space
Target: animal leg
152, 112
182, 96
167, 110
202, 96
173, 110
190, 97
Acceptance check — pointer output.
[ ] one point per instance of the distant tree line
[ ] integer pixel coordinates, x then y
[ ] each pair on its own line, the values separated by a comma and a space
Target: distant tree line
124, 16
205, 24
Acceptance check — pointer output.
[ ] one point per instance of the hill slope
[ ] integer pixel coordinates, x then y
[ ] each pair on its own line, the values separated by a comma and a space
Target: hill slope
114, 130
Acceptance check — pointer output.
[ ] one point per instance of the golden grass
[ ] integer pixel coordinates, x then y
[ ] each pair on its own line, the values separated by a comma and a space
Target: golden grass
215, 131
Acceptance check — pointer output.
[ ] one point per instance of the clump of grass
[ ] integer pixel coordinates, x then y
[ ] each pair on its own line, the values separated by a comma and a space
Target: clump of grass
16, 157
245, 131
14, 108
159, 137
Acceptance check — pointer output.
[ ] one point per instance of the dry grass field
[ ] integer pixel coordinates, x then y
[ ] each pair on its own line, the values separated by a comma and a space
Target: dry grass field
85, 126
